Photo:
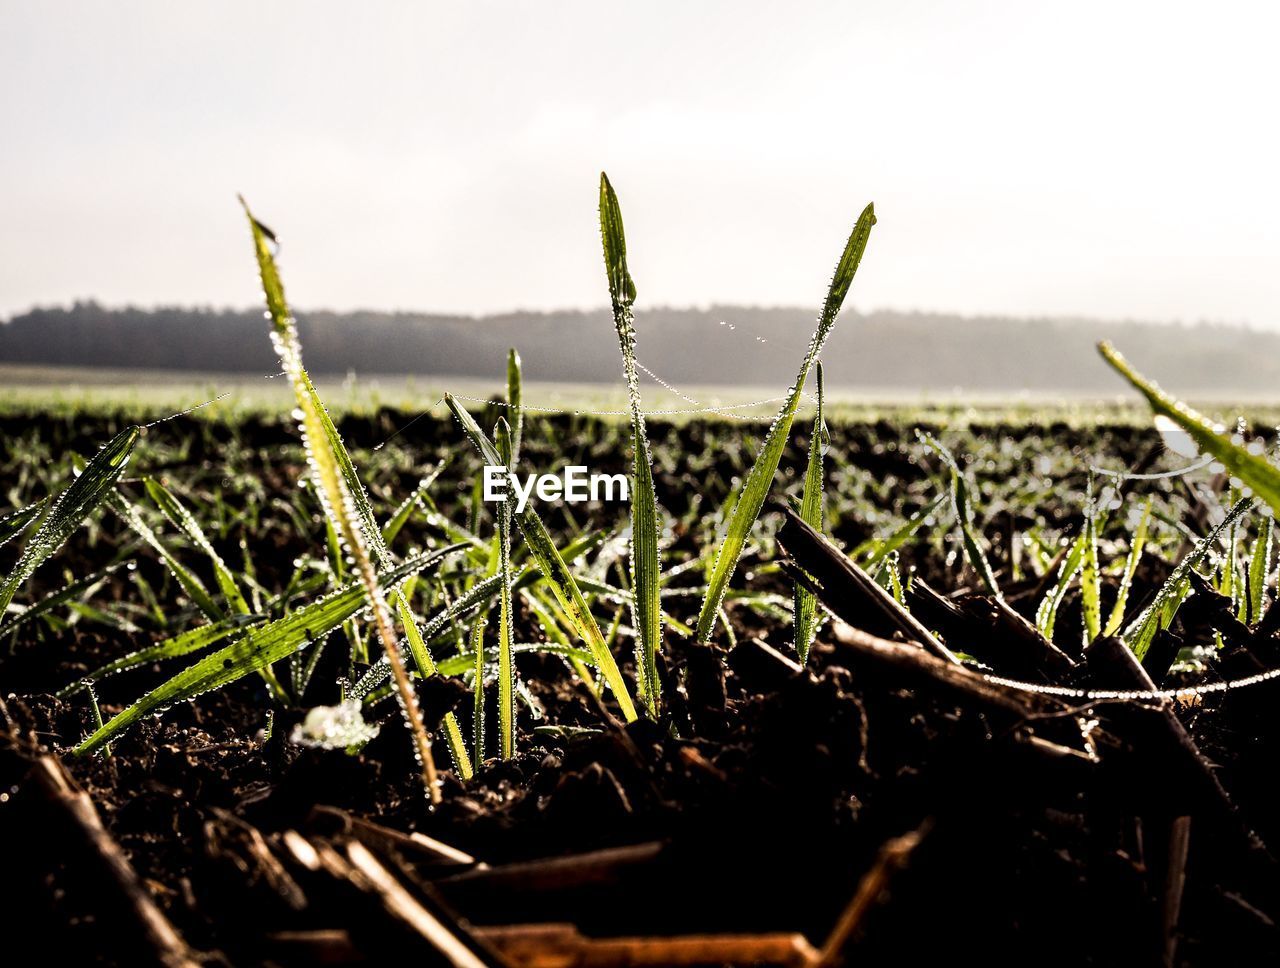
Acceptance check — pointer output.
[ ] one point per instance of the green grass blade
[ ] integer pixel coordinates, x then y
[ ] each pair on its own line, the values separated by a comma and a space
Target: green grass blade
1254, 470
257, 650
506, 657
14, 523
477, 595
554, 570
963, 509
359, 497
1171, 594
192, 585
456, 665
400, 517
426, 669
1047, 612
1228, 586
95, 482
193, 640
515, 401
477, 694
1130, 569
750, 498
877, 549
77, 590
1090, 572
805, 604
185, 521
1259, 571
646, 562
341, 495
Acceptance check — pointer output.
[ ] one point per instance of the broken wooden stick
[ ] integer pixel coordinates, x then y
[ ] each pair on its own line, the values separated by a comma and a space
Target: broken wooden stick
426, 849
993, 631
1175, 881
559, 945
891, 858
348, 882
155, 938
848, 591
594, 868
1115, 667
913, 667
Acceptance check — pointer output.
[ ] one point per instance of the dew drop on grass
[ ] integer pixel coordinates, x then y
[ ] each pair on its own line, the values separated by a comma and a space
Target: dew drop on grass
334, 727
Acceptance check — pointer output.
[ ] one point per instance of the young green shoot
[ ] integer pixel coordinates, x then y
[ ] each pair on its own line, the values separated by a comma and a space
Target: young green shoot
1247, 464
805, 603
750, 497
1161, 611
346, 507
1090, 572
646, 561
554, 570
515, 402
95, 482
477, 695
1136, 544
1259, 572
963, 509
1047, 612
506, 655
258, 648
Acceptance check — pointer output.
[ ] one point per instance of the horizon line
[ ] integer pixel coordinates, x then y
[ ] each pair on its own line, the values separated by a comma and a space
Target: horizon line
706, 308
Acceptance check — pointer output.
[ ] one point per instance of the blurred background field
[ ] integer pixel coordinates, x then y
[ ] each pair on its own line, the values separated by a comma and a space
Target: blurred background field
152, 394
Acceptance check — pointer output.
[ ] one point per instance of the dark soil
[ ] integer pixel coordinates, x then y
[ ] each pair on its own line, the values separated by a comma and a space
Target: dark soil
768, 791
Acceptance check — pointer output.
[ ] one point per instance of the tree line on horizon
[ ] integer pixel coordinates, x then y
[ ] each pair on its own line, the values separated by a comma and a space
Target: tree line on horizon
880, 350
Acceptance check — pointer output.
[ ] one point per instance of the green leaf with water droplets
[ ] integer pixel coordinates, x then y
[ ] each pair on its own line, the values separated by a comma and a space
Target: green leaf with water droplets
75, 504
185, 521
1136, 544
554, 570
75, 591
506, 656
14, 523
193, 640
750, 497
1161, 611
1259, 571
805, 603
963, 509
646, 561
1254, 470
258, 649
515, 401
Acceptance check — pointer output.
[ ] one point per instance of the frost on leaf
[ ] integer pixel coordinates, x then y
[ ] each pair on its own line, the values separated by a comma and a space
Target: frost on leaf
334, 727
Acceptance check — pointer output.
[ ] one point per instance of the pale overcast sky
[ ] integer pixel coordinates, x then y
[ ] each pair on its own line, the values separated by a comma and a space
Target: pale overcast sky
1114, 159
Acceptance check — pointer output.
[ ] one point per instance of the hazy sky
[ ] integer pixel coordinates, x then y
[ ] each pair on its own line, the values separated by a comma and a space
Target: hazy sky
1111, 159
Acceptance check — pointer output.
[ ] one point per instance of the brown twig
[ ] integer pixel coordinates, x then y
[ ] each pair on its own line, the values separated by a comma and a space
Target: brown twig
1174, 881
156, 939
428, 849
914, 667
848, 590
1114, 666
563, 946
892, 857
572, 870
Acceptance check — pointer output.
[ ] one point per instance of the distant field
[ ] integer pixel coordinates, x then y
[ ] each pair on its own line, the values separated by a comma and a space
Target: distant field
69, 390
